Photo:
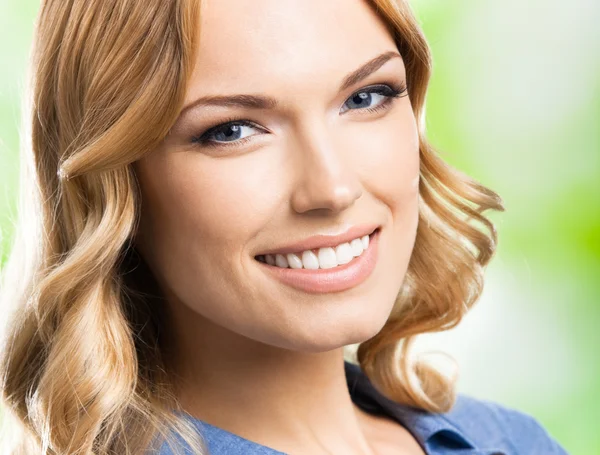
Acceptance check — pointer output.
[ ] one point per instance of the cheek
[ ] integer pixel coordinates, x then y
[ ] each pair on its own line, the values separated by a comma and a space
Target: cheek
388, 155
391, 177
199, 217
218, 203
202, 214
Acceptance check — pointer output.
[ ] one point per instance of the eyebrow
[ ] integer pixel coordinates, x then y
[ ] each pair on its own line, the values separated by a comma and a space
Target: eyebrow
267, 102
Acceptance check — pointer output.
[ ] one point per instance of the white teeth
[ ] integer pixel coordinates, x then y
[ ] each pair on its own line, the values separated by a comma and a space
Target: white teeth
281, 261
343, 253
357, 247
327, 258
310, 260
294, 261
365, 241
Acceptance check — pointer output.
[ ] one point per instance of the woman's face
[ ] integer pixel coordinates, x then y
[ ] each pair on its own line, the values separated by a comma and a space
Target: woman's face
327, 154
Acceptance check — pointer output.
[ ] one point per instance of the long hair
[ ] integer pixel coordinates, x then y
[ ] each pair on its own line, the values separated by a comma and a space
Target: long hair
85, 360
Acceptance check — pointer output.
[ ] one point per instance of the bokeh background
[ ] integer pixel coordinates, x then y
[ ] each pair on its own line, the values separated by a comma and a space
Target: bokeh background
514, 102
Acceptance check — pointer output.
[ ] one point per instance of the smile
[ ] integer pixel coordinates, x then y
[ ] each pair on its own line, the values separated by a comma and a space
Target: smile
329, 269
321, 258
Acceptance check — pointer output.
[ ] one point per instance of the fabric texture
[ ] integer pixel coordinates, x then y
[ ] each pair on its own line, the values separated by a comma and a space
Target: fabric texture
472, 427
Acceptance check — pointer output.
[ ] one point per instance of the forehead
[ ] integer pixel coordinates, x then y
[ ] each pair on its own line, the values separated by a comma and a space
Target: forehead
256, 45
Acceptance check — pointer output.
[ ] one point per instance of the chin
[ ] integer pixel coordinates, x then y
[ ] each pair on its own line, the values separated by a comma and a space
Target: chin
335, 335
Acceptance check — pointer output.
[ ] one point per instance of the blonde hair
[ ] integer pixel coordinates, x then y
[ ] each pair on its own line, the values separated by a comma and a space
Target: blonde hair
85, 363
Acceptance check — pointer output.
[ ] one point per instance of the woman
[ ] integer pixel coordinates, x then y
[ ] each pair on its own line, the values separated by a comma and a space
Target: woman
223, 196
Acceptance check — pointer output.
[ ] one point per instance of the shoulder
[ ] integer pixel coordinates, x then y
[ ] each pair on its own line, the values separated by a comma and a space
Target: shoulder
486, 422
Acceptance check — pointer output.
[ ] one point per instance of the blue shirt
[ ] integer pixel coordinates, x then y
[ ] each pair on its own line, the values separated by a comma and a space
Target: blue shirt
471, 427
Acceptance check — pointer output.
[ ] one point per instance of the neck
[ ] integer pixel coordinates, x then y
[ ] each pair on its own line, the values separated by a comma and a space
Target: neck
294, 402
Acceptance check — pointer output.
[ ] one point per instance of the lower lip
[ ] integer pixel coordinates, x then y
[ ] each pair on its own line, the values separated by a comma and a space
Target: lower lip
335, 279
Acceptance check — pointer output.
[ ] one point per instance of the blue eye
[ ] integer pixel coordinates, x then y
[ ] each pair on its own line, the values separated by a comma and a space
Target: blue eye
230, 133
226, 134
384, 94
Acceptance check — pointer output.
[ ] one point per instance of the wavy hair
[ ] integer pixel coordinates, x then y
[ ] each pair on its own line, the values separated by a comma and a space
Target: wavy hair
85, 358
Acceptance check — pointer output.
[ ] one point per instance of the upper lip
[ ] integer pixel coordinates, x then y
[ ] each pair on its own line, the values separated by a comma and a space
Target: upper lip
325, 240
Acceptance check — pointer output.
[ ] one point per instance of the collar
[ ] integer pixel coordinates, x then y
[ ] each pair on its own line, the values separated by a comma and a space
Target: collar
435, 431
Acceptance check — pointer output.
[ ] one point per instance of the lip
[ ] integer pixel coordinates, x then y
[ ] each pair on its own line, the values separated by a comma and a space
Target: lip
324, 241
335, 279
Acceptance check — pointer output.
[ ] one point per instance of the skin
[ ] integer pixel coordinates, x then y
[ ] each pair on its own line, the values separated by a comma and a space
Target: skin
254, 356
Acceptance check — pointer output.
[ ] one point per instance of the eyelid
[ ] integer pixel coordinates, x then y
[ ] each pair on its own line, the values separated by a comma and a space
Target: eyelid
237, 120
393, 89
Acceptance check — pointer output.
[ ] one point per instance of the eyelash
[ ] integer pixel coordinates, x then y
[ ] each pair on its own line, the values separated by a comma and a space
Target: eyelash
390, 91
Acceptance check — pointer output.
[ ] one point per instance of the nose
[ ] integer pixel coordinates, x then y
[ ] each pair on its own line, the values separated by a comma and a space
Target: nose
325, 179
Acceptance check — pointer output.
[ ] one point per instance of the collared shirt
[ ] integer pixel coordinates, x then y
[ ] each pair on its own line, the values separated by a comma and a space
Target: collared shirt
472, 427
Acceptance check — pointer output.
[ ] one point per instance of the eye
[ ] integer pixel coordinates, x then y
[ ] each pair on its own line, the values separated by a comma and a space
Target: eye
231, 132
379, 95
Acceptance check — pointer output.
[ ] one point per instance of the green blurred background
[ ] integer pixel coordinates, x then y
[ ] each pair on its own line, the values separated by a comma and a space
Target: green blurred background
514, 102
